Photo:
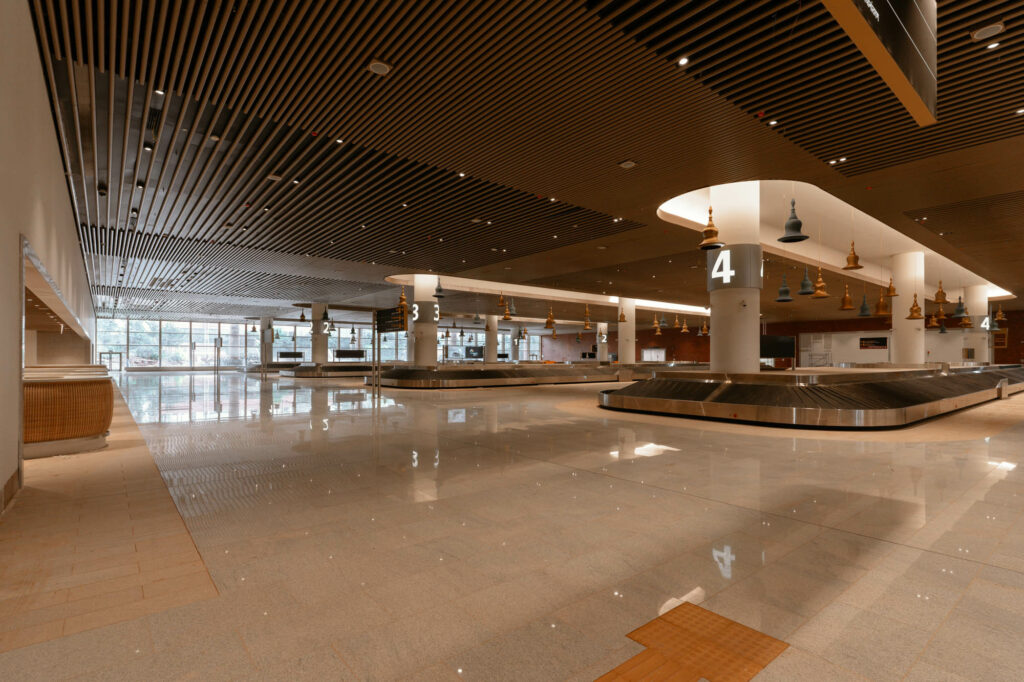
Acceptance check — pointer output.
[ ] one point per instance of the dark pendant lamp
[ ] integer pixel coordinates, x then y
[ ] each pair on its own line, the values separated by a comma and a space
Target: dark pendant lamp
579, 337
793, 225
710, 233
324, 318
865, 311
806, 286
942, 328
959, 312
352, 334
622, 317
664, 322
302, 316
784, 296
847, 302
477, 319
993, 324
438, 291
512, 305
253, 328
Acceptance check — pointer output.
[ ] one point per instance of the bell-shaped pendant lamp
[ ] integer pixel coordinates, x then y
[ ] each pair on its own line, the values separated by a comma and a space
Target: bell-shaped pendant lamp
806, 286
993, 325
941, 315
512, 305
402, 301
663, 322
579, 337
847, 302
676, 325
302, 316
881, 305
550, 322
940, 294
942, 328
965, 321
447, 334
1000, 315
477, 319
501, 300
684, 329
352, 334
657, 331
865, 310
554, 333
892, 289
959, 311
852, 260
915, 311
704, 329
793, 226
700, 331
932, 322
507, 315
622, 316
819, 287
710, 233
253, 330
783, 296
438, 291
586, 318
656, 325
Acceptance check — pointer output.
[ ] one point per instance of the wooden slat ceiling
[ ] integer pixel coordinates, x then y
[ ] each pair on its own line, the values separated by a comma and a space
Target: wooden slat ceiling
500, 128
39, 316
791, 62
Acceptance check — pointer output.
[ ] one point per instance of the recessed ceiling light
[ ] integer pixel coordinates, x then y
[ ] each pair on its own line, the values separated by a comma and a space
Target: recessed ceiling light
1020, 111
266, 208
842, 159
554, 236
773, 122
475, 220
488, 222
340, 141
601, 247
158, 92
627, 165
378, 67
462, 175
147, 145
832, 162
405, 205
991, 46
683, 61
295, 182
552, 199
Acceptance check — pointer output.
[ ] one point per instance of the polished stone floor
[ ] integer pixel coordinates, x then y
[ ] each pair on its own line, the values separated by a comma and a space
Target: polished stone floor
521, 533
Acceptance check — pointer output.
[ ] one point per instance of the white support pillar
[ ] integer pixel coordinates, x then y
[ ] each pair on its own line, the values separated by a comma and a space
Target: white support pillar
976, 300
602, 342
424, 329
318, 336
908, 347
266, 347
736, 311
627, 331
491, 339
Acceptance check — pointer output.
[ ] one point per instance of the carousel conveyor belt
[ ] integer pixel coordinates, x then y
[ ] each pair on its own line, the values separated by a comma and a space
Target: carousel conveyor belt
848, 400
468, 377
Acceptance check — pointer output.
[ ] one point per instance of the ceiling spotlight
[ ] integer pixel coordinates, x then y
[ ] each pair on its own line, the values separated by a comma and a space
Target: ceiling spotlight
842, 159
773, 122
832, 162
378, 67
158, 92
462, 175
683, 61
340, 141
147, 145
405, 205
991, 46
295, 182
141, 184
552, 199
1020, 111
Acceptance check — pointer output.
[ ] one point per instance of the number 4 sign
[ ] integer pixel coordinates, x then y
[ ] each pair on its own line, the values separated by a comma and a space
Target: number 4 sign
734, 267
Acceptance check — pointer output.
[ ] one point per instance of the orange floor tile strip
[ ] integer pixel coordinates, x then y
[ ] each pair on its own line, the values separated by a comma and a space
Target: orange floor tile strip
691, 643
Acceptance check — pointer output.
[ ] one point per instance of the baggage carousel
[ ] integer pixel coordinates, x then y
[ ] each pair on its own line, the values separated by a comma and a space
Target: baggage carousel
867, 399
490, 377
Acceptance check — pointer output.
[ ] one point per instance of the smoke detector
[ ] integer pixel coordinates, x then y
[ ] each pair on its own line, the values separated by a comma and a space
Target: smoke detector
989, 31
378, 67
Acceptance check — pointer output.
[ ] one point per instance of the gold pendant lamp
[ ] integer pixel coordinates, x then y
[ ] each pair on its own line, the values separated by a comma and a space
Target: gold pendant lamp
940, 295
847, 303
507, 315
622, 316
501, 301
852, 260
554, 333
550, 322
1000, 315
892, 289
915, 311
402, 301
684, 329
941, 315
704, 329
881, 306
586, 318
657, 325
676, 325
819, 287
710, 233
932, 323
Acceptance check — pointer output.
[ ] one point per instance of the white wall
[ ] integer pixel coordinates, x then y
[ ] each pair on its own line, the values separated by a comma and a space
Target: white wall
845, 346
34, 202
944, 347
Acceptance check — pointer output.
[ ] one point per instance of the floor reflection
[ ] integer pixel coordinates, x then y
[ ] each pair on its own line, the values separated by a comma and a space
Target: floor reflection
171, 398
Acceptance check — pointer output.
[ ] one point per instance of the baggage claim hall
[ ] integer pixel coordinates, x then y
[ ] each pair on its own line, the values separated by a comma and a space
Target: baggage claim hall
492, 340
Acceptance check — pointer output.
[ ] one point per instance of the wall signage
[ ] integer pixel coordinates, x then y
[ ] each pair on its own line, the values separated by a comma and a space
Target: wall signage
423, 309
734, 267
874, 342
